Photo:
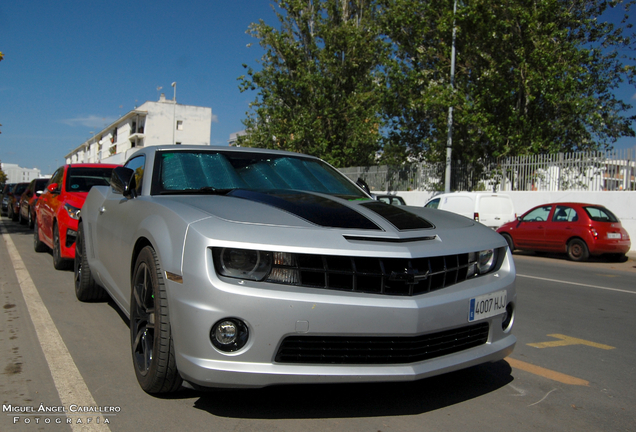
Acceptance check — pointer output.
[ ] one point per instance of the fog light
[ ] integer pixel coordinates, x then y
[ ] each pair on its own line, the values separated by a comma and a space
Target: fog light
508, 318
229, 334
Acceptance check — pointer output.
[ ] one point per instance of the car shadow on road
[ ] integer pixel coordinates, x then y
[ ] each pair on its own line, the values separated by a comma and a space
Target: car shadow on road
356, 400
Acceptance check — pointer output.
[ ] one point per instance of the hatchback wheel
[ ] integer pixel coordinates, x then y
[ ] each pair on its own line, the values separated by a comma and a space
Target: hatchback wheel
150, 334
577, 250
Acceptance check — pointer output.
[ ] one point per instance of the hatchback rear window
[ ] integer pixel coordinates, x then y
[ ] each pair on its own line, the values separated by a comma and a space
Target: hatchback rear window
600, 214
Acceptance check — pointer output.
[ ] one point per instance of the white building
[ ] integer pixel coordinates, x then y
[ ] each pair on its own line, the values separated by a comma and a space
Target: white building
153, 123
16, 174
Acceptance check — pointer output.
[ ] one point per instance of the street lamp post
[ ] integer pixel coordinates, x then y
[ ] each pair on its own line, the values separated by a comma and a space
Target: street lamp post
449, 140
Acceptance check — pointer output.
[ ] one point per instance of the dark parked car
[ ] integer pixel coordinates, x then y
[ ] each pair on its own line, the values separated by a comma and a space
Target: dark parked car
578, 229
4, 198
28, 200
13, 203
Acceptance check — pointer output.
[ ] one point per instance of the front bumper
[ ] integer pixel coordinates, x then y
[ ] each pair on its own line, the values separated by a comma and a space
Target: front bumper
273, 312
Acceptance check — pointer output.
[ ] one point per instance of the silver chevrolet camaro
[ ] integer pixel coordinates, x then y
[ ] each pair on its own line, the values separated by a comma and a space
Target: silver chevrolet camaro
246, 268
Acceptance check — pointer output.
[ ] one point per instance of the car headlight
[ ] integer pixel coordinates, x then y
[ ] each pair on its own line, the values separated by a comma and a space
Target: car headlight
483, 261
73, 212
242, 263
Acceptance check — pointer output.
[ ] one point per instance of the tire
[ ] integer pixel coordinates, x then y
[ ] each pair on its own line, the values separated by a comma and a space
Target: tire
511, 244
86, 289
150, 334
38, 246
58, 262
30, 220
577, 250
21, 219
10, 213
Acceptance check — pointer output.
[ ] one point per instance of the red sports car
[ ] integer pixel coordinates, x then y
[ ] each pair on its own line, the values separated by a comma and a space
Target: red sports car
58, 208
578, 229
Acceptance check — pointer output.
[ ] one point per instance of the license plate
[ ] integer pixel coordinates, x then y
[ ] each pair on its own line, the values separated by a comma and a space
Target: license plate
487, 306
614, 235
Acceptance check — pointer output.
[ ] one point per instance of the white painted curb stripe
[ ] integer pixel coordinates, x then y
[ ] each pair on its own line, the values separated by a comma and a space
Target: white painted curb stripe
68, 381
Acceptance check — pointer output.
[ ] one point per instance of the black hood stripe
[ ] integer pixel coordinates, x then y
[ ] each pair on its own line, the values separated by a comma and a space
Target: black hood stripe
398, 217
313, 208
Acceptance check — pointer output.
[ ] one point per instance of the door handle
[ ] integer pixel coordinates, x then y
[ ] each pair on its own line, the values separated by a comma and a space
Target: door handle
102, 209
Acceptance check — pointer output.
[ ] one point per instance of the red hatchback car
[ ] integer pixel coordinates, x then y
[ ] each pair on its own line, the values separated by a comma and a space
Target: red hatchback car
58, 208
578, 229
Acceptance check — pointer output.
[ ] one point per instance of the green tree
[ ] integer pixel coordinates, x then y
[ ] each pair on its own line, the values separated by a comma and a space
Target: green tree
3, 177
533, 76
319, 90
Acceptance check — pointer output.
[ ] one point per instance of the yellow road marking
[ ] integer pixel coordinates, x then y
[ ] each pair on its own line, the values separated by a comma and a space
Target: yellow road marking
546, 373
567, 340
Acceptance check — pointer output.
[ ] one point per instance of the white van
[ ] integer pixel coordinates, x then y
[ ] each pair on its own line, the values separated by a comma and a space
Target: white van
492, 210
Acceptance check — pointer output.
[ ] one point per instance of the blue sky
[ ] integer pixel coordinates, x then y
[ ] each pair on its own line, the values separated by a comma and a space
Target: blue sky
72, 67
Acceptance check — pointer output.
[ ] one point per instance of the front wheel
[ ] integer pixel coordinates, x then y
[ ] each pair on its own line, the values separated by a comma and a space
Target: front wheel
59, 262
511, 244
150, 333
577, 250
86, 289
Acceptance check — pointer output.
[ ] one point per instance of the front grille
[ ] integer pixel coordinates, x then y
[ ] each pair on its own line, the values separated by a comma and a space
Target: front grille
380, 350
391, 276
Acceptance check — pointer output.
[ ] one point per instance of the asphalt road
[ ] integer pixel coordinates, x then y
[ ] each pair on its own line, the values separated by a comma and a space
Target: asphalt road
573, 369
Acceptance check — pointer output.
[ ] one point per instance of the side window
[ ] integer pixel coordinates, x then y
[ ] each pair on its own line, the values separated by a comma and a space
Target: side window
433, 204
137, 165
538, 215
564, 214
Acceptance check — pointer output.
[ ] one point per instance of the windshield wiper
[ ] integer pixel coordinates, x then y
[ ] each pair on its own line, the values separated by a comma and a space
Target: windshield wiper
206, 190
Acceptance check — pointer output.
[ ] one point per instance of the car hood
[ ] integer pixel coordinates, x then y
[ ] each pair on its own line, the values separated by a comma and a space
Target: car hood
328, 222
76, 199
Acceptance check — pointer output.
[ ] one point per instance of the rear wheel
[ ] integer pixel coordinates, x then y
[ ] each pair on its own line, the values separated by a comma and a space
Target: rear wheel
150, 333
38, 246
577, 250
30, 221
58, 262
86, 289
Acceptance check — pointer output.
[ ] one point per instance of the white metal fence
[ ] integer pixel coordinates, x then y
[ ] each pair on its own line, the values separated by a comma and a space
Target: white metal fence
613, 170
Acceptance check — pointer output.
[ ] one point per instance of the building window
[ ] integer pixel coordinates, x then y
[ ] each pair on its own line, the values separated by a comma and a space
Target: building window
179, 124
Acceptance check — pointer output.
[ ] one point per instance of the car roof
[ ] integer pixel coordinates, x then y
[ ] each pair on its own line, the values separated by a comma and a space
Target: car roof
184, 147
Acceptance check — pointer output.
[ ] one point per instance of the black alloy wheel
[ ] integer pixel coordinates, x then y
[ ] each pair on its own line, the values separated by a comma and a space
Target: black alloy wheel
86, 289
150, 334
58, 262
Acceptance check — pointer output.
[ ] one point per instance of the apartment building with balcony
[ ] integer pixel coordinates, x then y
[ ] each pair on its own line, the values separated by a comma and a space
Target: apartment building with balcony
152, 123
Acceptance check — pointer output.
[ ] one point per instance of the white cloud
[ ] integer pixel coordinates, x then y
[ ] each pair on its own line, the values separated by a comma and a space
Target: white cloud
90, 121
215, 118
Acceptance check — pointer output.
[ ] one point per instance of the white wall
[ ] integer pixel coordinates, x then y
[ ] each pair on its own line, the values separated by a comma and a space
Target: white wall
621, 203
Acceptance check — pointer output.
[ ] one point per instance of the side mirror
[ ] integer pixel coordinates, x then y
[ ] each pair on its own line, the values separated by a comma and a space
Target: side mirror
52, 187
122, 180
363, 185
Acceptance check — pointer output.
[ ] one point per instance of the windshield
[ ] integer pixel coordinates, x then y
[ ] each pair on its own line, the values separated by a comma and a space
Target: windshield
190, 171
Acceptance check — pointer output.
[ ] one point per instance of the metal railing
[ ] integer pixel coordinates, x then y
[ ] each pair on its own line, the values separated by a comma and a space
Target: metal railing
582, 171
